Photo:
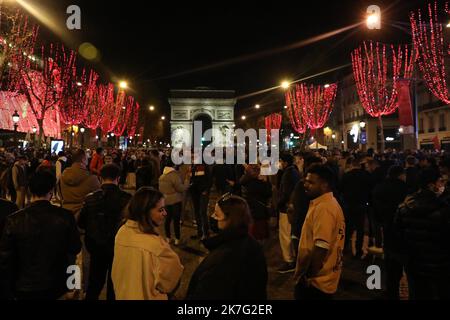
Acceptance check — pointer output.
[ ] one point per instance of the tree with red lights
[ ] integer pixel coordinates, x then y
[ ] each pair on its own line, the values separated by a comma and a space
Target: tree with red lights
17, 40
272, 121
376, 70
44, 82
309, 107
432, 50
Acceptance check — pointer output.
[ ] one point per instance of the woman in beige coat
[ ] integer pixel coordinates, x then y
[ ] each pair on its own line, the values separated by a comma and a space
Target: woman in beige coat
144, 266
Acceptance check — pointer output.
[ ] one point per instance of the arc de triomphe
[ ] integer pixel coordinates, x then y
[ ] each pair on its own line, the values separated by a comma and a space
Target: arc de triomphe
215, 108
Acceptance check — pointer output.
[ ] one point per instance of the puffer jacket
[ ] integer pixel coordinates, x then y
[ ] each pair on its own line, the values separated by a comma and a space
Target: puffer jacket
76, 183
37, 246
423, 227
171, 186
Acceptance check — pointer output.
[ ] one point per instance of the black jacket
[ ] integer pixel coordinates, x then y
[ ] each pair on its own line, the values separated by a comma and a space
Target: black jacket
412, 179
201, 180
235, 269
101, 215
257, 193
6, 208
289, 179
355, 187
37, 246
145, 177
423, 227
387, 196
300, 204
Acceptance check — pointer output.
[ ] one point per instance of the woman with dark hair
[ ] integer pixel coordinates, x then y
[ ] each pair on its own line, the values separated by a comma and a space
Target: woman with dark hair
235, 267
144, 266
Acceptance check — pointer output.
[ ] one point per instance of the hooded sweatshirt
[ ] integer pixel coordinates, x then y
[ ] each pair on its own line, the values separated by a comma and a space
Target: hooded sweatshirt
76, 184
171, 185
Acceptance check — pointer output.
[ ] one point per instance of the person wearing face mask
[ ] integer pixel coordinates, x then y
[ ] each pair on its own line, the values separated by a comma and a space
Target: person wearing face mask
144, 265
423, 225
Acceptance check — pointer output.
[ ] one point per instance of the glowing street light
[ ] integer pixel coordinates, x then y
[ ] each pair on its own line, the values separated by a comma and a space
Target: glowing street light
257, 106
285, 85
79, 84
123, 85
243, 117
285, 107
326, 86
163, 118
151, 108
373, 20
112, 134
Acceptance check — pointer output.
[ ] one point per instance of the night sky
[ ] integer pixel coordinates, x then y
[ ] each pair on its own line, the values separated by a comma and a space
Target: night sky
152, 45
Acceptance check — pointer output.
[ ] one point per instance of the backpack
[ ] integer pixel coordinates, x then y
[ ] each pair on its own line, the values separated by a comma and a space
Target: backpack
104, 219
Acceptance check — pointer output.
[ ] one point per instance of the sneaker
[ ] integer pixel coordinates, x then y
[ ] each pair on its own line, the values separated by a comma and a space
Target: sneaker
287, 267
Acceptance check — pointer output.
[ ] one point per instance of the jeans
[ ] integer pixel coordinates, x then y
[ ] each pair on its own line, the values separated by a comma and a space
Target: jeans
173, 214
100, 269
200, 202
394, 273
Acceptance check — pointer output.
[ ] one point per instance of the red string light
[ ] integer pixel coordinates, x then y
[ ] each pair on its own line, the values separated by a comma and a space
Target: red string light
428, 41
376, 75
311, 105
273, 121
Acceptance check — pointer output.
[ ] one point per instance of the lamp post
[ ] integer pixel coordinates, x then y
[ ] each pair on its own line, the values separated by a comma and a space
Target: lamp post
34, 134
82, 137
15, 118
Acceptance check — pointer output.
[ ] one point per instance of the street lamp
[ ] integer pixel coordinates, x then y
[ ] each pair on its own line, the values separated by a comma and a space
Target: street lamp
82, 137
34, 133
243, 117
285, 85
163, 118
15, 118
257, 106
123, 85
151, 108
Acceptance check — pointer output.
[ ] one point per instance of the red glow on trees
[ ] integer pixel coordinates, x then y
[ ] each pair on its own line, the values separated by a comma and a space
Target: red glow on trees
431, 49
272, 121
310, 106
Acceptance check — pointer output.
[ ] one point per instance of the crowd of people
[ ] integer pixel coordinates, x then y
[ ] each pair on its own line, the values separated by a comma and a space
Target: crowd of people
112, 213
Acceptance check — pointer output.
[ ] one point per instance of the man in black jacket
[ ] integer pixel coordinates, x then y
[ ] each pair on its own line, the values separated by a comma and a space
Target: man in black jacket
423, 227
37, 246
355, 188
201, 182
289, 179
100, 217
387, 196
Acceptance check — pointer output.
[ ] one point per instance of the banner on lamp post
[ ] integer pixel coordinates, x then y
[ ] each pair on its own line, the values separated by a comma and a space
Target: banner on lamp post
405, 114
